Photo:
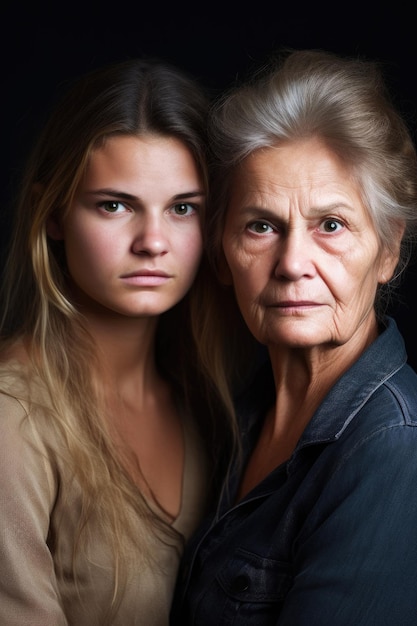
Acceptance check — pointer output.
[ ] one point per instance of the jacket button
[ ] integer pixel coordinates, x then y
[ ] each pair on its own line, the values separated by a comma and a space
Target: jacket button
240, 583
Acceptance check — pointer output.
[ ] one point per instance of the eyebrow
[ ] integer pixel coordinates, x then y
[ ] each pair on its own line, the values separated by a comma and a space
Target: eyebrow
266, 212
329, 208
114, 193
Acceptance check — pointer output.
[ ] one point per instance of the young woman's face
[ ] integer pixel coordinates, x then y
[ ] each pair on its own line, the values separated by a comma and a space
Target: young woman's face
132, 236
304, 257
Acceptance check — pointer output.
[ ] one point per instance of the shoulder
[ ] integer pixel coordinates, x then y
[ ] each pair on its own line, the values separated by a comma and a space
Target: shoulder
21, 394
390, 409
380, 443
393, 403
375, 433
14, 406
27, 443
401, 390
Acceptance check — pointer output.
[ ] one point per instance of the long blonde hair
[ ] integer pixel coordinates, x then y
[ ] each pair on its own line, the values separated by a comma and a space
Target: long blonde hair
130, 98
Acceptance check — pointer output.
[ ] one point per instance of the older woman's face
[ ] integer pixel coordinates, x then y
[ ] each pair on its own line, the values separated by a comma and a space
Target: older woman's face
301, 249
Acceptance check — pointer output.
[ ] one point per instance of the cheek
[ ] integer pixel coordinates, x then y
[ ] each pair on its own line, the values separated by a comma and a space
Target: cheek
249, 276
248, 271
248, 282
237, 258
190, 254
351, 279
89, 253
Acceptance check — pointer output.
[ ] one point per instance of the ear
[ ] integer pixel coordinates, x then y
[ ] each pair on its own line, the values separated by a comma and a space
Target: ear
223, 271
390, 256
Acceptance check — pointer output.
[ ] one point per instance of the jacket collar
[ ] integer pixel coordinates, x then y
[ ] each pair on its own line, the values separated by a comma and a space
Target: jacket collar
379, 362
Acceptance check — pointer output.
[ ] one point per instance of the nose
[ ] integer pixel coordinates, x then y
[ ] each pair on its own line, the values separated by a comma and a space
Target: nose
295, 257
151, 237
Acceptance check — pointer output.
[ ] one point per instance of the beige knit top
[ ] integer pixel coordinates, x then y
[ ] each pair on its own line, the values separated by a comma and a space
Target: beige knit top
36, 497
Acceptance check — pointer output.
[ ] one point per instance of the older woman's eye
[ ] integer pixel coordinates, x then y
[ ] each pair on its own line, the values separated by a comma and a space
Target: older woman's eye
331, 225
260, 228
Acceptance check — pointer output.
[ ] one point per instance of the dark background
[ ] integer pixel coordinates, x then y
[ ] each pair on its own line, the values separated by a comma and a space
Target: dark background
43, 45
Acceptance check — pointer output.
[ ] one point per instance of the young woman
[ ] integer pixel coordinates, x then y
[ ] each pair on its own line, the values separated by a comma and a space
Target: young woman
103, 408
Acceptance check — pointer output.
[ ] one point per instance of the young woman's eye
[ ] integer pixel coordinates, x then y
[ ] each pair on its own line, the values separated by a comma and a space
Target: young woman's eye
260, 228
331, 225
113, 206
183, 208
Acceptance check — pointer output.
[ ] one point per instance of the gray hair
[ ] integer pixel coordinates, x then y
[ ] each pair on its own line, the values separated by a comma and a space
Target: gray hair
344, 102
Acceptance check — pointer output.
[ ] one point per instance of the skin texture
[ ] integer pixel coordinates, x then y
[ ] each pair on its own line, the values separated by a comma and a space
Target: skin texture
302, 252
133, 245
304, 260
134, 224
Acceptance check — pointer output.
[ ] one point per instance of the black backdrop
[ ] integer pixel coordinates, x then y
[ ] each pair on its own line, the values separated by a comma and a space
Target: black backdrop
45, 44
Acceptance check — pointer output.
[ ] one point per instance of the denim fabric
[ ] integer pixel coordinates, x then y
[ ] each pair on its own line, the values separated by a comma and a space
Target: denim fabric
329, 538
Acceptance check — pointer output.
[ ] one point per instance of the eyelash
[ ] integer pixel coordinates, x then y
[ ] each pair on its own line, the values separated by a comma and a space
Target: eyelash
193, 208
112, 206
252, 226
333, 220
106, 204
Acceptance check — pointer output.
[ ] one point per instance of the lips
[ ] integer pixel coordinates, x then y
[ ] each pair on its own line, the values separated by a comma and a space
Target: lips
146, 272
296, 303
146, 278
292, 307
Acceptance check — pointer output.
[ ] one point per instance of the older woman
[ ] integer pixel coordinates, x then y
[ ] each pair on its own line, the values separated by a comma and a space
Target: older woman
316, 207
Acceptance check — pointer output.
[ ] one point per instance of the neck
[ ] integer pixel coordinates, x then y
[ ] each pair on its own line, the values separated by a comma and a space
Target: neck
303, 377
126, 350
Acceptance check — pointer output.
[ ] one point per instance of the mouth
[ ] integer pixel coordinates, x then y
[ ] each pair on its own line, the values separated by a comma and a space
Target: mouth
146, 272
146, 278
295, 304
295, 307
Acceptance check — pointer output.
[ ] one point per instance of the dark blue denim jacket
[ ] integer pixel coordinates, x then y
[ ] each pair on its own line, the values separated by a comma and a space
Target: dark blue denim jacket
329, 538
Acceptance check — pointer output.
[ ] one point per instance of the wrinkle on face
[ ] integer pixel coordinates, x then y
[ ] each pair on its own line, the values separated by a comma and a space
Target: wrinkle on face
296, 191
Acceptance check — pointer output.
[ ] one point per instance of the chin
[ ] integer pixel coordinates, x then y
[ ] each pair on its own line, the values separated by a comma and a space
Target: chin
294, 333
